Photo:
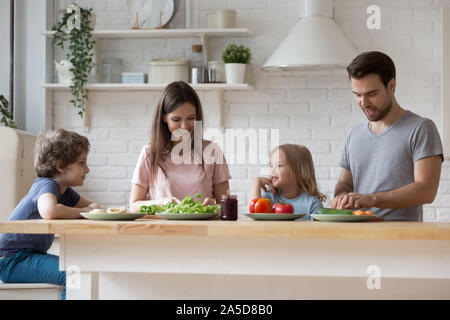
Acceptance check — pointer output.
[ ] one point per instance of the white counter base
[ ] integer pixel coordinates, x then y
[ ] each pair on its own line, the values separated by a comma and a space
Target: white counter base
216, 267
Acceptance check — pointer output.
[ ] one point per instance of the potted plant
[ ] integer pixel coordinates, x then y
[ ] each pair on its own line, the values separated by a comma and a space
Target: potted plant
236, 59
75, 27
7, 118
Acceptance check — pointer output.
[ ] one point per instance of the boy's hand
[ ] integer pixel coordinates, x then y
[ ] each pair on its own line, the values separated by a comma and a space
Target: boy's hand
94, 205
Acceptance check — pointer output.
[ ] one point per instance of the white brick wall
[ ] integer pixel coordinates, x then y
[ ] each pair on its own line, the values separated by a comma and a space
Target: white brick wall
311, 108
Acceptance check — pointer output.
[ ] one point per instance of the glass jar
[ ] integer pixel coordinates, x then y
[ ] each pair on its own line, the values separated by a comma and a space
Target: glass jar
191, 14
112, 69
229, 206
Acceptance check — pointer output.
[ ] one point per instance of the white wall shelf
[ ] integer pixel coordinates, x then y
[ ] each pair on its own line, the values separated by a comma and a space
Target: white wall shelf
203, 34
149, 87
166, 33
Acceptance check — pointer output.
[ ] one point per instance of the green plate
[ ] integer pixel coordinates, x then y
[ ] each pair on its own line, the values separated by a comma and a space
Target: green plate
187, 216
275, 216
112, 216
342, 218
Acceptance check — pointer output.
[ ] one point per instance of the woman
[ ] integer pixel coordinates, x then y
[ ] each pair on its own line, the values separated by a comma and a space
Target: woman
160, 176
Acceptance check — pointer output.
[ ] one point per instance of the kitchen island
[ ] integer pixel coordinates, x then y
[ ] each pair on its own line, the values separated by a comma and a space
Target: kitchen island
245, 259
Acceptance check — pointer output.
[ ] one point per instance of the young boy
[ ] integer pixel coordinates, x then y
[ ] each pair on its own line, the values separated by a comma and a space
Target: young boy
60, 163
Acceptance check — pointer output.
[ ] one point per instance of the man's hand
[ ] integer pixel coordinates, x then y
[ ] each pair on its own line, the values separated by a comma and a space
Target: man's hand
339, 201
353, 201
360, 200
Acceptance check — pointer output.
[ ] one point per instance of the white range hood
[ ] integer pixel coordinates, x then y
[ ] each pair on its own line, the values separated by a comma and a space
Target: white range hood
316, 42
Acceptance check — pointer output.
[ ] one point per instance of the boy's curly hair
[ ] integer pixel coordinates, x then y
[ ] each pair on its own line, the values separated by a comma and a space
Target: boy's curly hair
65, 146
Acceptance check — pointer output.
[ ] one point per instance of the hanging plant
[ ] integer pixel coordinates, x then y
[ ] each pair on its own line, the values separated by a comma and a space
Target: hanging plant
7, 118
75, 28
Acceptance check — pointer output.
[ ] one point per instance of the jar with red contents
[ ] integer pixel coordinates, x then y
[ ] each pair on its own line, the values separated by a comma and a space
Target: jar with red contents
229, 206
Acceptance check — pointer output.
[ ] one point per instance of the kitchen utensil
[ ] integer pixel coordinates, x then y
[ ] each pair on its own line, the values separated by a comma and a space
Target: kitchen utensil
219, 66
210, 75
197, 75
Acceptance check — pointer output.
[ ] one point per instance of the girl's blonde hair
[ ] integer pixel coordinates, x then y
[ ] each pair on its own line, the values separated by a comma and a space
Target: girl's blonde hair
301, 168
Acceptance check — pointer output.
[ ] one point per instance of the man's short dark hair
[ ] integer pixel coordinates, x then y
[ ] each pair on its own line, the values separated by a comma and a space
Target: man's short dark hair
372, 62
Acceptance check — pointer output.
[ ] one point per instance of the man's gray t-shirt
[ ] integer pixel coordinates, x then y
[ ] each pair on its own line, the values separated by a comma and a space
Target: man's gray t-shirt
386, 161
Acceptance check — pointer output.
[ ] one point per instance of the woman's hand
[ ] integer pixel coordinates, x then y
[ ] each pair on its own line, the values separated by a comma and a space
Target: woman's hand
168, 200
208, 201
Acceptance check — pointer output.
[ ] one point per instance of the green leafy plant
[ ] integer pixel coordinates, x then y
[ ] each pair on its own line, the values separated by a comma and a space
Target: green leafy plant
236, 54
188, 205
7, 118
74, 28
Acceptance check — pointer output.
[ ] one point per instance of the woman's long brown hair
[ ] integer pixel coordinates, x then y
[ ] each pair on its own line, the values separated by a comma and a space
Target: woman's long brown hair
301, 167
174, 94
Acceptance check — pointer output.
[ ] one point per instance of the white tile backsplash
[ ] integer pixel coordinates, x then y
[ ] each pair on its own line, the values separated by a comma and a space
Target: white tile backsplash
311, 108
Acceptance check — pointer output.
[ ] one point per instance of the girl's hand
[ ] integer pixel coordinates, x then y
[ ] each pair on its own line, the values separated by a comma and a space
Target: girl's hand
266, 184
208, 201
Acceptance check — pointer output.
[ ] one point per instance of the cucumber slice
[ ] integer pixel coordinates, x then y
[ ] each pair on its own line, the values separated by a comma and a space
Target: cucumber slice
334, 211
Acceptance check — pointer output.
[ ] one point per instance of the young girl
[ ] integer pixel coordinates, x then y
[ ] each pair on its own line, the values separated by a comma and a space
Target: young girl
60, 163
160, 177
291, 180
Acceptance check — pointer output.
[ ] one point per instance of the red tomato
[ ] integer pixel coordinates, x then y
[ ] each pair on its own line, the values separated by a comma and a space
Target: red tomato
251, 207
283, 208
263, 205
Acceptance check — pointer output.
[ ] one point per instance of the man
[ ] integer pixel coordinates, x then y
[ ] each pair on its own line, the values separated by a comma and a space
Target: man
391, 164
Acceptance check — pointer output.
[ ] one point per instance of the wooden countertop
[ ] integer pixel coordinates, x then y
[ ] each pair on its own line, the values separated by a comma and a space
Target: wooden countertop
294, 229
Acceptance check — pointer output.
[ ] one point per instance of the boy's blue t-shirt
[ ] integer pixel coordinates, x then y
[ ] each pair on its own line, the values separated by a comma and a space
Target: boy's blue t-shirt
11, 243
304, 203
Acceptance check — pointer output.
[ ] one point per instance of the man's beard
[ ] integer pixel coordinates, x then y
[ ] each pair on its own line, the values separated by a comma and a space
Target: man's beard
383, 113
